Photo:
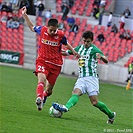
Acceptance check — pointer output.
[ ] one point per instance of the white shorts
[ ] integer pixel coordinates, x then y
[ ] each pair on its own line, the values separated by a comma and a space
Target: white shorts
89, 85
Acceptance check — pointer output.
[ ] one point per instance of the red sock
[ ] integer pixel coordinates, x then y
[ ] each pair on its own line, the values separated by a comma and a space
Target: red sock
40, 89
45, 94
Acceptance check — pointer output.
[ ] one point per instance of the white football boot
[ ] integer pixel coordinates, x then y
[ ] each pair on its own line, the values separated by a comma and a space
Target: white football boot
39, 103
110, 121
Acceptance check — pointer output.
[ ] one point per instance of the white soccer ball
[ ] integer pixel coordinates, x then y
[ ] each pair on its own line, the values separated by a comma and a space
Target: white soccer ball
54, 113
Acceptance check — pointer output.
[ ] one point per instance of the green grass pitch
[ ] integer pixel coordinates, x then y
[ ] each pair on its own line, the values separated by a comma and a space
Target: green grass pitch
18, 112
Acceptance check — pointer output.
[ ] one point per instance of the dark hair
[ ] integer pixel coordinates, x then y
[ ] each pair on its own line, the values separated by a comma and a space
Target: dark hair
88, 34
53, 22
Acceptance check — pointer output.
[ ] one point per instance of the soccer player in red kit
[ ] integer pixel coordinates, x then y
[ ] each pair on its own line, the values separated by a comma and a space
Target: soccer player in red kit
49, 60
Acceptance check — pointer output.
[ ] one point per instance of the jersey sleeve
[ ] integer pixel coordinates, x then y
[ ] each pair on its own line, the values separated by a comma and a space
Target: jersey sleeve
100, 52
37, 29
97, 50
64, 41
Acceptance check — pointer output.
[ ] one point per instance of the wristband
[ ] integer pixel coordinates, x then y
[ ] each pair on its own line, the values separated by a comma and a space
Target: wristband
67, 53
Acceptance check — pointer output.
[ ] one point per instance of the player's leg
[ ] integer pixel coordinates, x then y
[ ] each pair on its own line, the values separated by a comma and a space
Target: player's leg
40, 89
102, 107
77, 91
41, 84
47, 92
41, 73
51, 79
93, 90
70, 103
74, 98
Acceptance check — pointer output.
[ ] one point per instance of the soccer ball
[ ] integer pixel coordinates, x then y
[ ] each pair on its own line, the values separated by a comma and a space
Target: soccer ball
54, 113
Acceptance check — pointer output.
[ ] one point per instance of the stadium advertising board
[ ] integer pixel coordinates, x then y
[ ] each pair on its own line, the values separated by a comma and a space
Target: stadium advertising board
11, 57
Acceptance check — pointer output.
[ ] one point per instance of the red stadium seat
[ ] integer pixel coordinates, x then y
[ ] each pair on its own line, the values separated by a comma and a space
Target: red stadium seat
88, 13
3, 45
75, 44
21, 27
66, 33
78, 21
15, 35
9, 35
97, 43
21, 49
4, 13
81, 29
3, 34
3, 39
129, 48
80, 12
3, 26
54, 16
89, 27
72, 34
96, 27
73, 10
104, 44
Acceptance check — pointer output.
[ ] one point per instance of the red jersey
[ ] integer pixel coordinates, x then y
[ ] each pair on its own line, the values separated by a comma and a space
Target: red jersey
50, 46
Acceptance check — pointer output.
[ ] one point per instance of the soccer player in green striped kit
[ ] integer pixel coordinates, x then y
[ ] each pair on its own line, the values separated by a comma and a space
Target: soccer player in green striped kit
88, 81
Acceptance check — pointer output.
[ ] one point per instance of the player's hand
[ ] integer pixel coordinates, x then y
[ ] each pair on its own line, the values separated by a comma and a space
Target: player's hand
76, 54
103, 58
63, 52
98, 56
24, 10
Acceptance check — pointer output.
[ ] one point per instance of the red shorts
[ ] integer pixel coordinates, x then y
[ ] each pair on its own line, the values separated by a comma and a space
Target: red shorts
51, 71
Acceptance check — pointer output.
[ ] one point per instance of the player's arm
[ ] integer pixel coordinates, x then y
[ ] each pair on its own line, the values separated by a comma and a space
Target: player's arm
69, 52
64, 52
68, 46
102, 57
28, 21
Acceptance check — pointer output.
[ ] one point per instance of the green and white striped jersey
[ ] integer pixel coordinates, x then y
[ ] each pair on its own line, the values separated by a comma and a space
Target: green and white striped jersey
87, 63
